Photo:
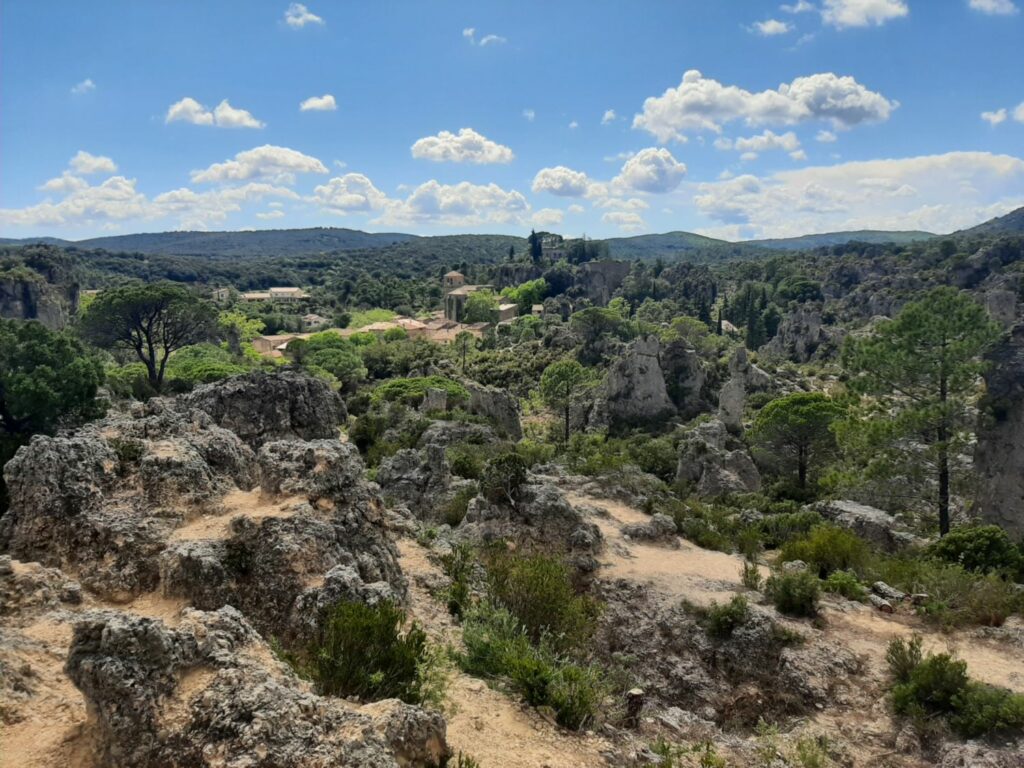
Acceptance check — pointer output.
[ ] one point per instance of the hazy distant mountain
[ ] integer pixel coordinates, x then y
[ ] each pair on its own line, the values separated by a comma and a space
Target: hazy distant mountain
841, 238
1011, 222
263, 242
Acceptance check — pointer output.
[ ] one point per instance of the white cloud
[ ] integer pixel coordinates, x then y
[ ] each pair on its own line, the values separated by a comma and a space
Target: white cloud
798, 154
800, 6
269, 162
994, 118
275, 214
561, 181
325, 103
467, 146
298, 15
862, 13
456, 205
573, 125
86, 164
703, 104
622, 204
83, 87
188, 110
627, 222
470, 34
548, 217
608, 117
529, 114
65, 183
651, 170
575, 208
826, 137
937, 193
227, 116
772, 27
1018, 113
198, 210
351, 193
994, 7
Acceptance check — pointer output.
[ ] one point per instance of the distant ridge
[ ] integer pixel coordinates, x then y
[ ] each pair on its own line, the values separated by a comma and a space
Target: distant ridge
1010, 223
280, 242
873, 236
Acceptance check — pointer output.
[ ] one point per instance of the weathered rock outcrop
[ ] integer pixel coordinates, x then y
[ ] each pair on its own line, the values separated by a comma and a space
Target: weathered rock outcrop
800, 336
875, 525
417, 478
39, 284
634, 392
496, 405
715, 463
744, 378
204, 694
686, 379
999, 455
260, 407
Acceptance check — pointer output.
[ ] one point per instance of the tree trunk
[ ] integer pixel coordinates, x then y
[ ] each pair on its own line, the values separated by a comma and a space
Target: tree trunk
801, 467
943, 489
566, 421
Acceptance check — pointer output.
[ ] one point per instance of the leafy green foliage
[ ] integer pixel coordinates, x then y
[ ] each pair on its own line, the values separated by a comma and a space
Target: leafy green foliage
149, 321
795, 594
984, 549
502, 478
562, 384
412, 391
793, 432
362, 652
455, 510
721, 620
828, 548
846, 584
525, 295
481, 307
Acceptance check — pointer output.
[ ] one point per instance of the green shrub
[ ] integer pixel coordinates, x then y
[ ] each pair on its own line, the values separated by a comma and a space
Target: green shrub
904, 656
657, 456
777, 529
984, 549
458, 566
538, 591
794, 594
455, 509
534, 452
846, 584
362, 652
931, 686
982, 710
721, 620
575, 692
503, 477
828, 548
464, 761
466, 461
750, 575
411, 391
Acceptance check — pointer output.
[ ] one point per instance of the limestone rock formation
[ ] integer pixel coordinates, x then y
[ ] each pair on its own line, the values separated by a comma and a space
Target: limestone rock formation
634, 391
875, 525
685, 378
496, 405
417, 478
260, 407
715, 463
42, 287
999, 455
744, 378
800, 336
202, 694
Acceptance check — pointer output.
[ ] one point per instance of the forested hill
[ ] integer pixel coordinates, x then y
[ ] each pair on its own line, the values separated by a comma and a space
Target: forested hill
280, 242
1011, 223
871, 236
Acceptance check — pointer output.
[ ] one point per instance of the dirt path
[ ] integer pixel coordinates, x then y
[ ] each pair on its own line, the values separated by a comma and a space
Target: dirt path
687, 572
487, 724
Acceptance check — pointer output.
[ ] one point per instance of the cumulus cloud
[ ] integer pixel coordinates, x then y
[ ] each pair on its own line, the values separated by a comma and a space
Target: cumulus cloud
83, 87
800, 6
936, 193
862, 13
467, 146
269, 162
65, 183
188, 110
772, 27
86, 164
561, 181
994, 118
325, 103
1018, 113
274, 214
995, 7
529, 114
704, 104
351, 193
456, 205
548, 217
298, 15
575, 208
651, 170
622, 203
825, 137
625, 221
608, 117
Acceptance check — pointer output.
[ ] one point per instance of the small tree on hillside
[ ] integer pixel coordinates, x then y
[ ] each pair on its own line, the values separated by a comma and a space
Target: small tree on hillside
794, 432
481, 307
921, 372
561, 384
151, 321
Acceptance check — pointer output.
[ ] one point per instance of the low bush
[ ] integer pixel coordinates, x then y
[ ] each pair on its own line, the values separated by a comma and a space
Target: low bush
795, 594
777, 529
826, 549
466, 461
938, 685
721, 620
538, 591
455, 509
411, 391
362, 652
983, 549
503, 477
750, 575
534, 453
458, 565
846, 584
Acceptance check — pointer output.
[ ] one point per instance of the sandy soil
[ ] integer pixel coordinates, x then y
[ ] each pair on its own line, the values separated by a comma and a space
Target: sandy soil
253, 504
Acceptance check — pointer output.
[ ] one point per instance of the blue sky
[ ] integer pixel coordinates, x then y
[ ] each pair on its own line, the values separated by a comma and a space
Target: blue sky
732, 118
